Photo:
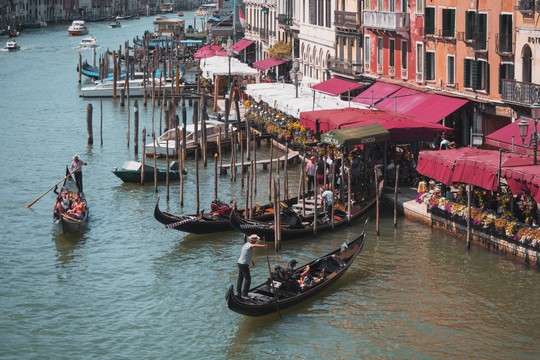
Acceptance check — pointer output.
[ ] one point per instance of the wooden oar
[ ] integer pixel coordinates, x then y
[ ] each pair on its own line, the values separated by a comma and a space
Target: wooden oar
55, 185
276, 297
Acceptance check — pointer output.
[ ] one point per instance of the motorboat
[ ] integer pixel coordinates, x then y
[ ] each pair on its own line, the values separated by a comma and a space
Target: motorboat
167, 139
180, 13
206, 9
11, 45
137, 88
132, 171
116, 23
88, 42
78, 28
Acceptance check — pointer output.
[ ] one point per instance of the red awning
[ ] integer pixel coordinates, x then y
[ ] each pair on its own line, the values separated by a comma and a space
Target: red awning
435, 107
207, 51
508, 137
268, 63
335, 86
402, 101
401, 129
241, 45
439, 164
376, 93
524, 180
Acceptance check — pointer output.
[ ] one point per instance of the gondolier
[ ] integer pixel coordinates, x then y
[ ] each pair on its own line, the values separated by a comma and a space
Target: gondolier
76, 169
244, 261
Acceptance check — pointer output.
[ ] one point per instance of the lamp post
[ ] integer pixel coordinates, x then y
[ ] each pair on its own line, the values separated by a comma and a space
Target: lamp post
296, 74
229, 55
524, 130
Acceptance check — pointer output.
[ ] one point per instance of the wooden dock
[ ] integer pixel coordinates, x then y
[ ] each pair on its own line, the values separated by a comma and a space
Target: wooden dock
292, 155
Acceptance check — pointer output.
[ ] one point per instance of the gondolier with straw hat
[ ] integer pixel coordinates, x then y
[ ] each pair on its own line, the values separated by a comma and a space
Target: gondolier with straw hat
244, 261
76, 169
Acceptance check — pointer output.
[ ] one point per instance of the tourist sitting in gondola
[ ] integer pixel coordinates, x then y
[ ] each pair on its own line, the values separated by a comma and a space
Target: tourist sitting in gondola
77, 209
220, 209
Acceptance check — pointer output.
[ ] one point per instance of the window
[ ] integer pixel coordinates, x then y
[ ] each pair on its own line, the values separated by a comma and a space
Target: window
429, 21
481, 32
419, 58
366, 50
470, 18
449, 22
404, 5
379, 51
450, 70
506, 29
380, 4
392, 6
404, 46
419, 6
391, 49
476, 75
506, 72
430, 66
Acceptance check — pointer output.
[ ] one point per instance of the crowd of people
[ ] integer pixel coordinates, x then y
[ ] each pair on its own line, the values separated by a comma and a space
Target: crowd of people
69, 204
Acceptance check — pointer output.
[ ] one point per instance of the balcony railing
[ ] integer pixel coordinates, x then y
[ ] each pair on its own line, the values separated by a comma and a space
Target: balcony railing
404, 74
480, 41
521, 93
390, 21
505, 45
284, 19
347, 19
525, 6
344, 67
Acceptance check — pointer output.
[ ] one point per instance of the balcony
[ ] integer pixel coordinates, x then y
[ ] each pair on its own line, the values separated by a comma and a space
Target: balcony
504, 43
525, 6
480, 42
344, 67
284, 20
520, 93
347, 20
389, 21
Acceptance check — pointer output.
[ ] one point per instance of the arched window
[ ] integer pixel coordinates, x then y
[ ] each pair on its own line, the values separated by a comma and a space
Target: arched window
526, 55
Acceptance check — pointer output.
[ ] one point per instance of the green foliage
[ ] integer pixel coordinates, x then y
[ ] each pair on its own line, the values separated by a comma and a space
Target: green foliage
281, 50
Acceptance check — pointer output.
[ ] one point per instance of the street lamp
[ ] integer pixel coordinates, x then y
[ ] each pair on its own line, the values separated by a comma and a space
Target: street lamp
296, 74
229, 54
524, 130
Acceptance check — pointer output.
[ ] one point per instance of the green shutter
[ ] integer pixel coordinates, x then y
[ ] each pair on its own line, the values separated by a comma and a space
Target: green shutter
474, 74
466, 73
511, 72
453, 23
501, 76
487, 77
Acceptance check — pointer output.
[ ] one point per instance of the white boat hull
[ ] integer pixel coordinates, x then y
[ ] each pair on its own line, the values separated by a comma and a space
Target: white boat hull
136, 89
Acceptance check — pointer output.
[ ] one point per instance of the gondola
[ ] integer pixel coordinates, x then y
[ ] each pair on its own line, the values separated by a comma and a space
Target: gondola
215, 221
294, 226
131, 172
326, 270
67, 223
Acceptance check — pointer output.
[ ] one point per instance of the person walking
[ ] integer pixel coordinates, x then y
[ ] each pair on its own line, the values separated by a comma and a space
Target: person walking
244, 261
311, 169
76, 169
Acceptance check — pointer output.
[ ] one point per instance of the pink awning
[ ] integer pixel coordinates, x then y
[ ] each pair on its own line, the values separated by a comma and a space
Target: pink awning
402, 101
208, 51
241, 45
376, 93
268, 63
335, 86
435, 107
524, 180
508, 137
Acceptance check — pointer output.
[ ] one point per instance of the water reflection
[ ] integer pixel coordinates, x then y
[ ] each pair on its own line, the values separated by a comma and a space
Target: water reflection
66, 245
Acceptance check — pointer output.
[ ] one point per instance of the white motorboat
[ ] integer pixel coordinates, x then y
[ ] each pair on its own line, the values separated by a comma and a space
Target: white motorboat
88, 42
206, 9
213, 129
78, 28
137, 88
11, 45
116, 23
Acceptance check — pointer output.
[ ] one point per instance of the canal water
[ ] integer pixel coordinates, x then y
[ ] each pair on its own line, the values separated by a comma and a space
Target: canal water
130, 289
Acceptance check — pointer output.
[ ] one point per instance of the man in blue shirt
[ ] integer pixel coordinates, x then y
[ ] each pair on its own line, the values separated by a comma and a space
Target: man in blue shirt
245, 259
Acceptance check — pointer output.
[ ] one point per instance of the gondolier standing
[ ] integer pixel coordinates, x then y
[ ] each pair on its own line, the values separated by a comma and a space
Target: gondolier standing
244, 261
76, 169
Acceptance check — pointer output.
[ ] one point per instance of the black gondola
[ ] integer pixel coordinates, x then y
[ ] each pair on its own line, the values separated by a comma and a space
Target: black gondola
65, 222
214, 221
267, 298
295, 226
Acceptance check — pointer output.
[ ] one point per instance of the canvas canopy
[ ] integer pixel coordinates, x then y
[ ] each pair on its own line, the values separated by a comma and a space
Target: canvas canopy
219, 66
355, 136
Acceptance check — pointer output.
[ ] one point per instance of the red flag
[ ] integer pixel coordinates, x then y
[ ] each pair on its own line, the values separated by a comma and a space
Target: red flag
241, 18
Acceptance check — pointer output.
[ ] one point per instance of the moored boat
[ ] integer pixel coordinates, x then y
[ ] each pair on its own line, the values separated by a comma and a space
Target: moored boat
277, 293
136, 87
131, 172
65, 220
166, 141
295, 226
78, 28
11, 45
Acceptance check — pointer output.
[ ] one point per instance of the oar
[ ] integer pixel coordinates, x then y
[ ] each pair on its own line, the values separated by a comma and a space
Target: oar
276, 297
55, 185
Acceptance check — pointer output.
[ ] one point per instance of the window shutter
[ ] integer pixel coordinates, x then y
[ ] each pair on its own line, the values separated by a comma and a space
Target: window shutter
466, 73
474, 73
511, 72
452, 23
487, 77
